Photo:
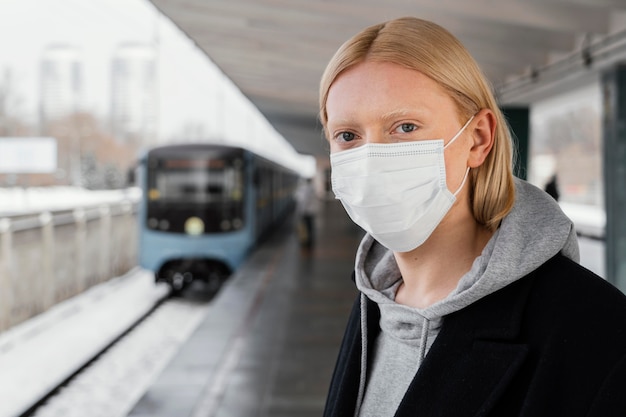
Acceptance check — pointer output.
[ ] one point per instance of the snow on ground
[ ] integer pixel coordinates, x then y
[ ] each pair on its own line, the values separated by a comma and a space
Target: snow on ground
17, 200
589, 220
37, 355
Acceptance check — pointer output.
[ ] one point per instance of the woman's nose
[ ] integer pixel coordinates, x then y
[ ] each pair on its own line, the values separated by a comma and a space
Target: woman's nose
377, 137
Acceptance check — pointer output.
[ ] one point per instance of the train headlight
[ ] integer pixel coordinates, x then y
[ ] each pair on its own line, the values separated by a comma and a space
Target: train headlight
154, 194
236, 194
225, 225
194, 226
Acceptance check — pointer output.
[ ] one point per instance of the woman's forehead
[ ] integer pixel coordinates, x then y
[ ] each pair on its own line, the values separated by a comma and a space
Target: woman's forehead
387, 88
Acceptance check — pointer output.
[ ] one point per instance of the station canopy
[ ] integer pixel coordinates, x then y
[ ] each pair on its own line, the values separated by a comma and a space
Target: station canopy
276, 50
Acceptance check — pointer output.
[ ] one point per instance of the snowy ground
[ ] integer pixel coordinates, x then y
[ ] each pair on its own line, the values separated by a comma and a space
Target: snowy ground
37, 355
17, 200
589, 220
112, 385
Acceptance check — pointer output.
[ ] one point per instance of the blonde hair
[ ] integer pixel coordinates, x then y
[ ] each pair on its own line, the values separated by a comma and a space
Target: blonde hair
430, 49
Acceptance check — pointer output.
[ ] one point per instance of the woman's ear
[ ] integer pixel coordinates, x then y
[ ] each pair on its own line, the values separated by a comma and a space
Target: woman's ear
483, 136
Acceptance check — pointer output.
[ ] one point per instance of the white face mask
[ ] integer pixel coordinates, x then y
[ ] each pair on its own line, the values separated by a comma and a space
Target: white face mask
396, 192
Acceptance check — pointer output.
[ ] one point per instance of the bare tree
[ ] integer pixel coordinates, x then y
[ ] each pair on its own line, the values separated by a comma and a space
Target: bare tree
10, 102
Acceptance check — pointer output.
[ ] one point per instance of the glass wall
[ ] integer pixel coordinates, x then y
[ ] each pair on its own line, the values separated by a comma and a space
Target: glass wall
566, 141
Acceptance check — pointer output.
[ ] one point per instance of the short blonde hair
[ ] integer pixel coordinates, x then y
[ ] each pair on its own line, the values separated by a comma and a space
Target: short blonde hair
430, 49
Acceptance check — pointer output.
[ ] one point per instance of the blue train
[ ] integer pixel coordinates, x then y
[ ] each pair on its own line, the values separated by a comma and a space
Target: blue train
204, 207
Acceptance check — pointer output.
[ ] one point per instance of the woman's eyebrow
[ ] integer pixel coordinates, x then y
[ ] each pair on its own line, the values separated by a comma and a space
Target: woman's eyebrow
343, 121
401, 113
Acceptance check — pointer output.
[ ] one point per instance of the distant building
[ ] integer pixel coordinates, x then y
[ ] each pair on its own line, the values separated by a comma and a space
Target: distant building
61, 83
133, 94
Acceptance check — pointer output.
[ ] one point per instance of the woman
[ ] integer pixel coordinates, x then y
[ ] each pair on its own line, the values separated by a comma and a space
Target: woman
471, 299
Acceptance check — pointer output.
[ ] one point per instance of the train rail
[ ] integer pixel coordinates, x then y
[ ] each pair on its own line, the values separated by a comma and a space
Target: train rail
115, 380
127, 328
41, 406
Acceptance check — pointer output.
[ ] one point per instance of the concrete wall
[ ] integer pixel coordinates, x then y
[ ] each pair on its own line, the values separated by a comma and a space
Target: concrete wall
49, 257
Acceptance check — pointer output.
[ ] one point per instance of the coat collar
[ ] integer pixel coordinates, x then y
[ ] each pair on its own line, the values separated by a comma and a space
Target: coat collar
473, 359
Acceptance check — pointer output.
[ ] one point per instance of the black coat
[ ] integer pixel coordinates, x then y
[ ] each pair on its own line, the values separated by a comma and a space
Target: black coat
551, 344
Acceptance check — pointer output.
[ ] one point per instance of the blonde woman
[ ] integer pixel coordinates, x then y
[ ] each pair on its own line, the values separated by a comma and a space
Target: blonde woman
472, 302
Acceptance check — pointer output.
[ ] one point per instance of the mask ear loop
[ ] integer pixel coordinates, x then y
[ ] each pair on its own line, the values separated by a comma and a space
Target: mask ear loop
462, 183
468, 168
458, 133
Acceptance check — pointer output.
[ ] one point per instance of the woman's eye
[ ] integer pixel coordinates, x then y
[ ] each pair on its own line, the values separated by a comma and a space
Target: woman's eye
407, 127
346, 136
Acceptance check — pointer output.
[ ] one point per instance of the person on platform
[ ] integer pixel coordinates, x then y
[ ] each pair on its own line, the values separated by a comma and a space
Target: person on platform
552, 187
471, 299
307, 209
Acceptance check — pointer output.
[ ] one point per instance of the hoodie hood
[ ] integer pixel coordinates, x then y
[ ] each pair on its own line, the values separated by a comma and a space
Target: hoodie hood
533, 232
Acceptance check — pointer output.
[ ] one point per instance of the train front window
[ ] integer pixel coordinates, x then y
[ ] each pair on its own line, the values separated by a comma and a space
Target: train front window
195, 196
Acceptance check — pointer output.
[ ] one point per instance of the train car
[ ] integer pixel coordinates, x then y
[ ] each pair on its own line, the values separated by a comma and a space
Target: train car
204, 207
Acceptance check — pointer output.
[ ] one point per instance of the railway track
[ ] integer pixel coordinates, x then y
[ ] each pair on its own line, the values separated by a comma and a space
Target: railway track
41, 404
115, 377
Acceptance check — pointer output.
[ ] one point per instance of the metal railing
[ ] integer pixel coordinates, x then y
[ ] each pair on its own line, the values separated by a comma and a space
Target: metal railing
48, 257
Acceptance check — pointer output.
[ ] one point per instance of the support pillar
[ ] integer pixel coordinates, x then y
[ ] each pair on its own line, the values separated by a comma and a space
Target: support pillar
519, 121
6, 274
614, 153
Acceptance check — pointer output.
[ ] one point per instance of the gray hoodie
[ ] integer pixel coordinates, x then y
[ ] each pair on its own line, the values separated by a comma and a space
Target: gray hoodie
534, 231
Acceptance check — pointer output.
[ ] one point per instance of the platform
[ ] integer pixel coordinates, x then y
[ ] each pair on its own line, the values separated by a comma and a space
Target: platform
269, 342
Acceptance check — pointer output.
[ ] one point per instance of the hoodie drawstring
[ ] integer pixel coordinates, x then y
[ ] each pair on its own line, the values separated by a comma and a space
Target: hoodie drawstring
362, 381
423, 345
423, 342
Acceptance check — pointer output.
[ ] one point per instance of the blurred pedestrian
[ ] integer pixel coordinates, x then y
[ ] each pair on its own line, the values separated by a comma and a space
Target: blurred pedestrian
307, 209
472, 301
552, 188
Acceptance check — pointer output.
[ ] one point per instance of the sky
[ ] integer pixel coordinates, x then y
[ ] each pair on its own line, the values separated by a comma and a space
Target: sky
192, 90
94, 27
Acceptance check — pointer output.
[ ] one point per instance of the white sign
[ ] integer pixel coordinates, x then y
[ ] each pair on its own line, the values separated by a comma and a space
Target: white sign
28, 155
